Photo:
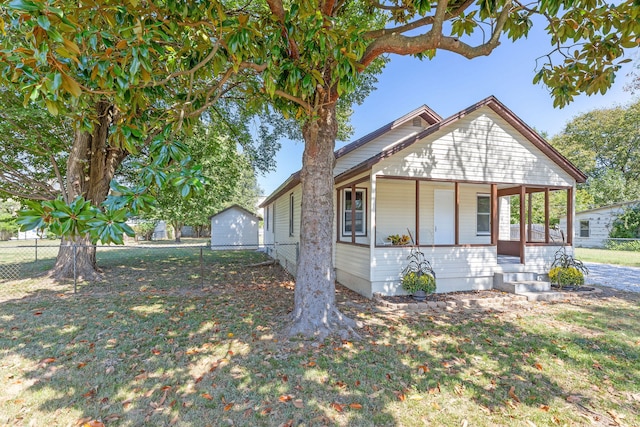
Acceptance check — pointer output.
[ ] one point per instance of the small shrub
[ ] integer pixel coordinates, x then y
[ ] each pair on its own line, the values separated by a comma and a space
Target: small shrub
628, 245
415, 281
566, 276
627, 225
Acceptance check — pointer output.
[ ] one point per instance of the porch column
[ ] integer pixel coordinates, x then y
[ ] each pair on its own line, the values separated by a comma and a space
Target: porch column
457, 213
530, 217
546, 216
494, 214
523, 234
417, 242
569, 216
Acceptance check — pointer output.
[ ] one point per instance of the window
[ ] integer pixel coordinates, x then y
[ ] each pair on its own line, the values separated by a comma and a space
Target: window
351, 203
291, 214
584, 228
484, 215
266, 218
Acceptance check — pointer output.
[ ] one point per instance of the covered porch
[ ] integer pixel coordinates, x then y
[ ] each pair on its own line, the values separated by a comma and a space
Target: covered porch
468, 230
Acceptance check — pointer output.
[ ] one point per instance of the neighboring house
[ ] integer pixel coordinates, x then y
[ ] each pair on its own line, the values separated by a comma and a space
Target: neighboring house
447, 181
234, 227
592, 227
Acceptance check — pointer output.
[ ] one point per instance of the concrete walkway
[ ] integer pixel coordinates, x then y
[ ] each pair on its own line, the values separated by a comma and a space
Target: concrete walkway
615, 276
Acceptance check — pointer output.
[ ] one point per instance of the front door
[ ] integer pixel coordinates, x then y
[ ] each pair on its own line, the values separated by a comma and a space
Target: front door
444, 221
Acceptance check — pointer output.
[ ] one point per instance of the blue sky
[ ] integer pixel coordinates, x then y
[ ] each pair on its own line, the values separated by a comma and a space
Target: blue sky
450, 83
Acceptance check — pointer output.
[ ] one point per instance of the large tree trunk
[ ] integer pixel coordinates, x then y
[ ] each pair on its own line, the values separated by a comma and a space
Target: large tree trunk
315, 313
91, 166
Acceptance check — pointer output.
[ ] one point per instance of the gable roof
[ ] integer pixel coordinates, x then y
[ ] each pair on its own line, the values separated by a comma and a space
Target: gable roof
436, 124
611, 206
236, 206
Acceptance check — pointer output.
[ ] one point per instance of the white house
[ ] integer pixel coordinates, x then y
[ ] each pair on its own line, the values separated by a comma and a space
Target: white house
234, 227
448, 183
594, 225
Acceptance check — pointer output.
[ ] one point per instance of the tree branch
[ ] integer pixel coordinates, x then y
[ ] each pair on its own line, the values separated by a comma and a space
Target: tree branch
404, 45
422, 22
278, 11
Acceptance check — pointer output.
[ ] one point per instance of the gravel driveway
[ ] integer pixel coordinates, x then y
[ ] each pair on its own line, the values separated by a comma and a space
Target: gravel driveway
615, 276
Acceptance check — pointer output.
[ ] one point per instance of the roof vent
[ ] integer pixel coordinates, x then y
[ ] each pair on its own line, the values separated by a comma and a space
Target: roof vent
417, 122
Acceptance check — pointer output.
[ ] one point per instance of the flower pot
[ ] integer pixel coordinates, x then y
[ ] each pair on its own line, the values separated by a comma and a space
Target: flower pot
419, 295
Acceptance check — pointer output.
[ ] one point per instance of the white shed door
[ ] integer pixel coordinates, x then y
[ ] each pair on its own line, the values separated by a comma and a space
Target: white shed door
443, 217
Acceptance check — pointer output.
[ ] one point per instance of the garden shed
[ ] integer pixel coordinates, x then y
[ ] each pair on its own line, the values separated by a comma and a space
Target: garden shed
236, 227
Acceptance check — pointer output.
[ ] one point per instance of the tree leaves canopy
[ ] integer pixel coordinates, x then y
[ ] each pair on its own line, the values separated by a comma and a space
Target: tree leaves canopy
605, 144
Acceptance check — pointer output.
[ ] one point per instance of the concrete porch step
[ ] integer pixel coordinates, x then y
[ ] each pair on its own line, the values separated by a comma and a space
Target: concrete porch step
523, 286
519, 276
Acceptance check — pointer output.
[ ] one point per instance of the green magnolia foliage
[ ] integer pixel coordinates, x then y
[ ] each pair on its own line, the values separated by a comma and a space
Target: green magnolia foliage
566, 276
162, 64
627, 225
76, 219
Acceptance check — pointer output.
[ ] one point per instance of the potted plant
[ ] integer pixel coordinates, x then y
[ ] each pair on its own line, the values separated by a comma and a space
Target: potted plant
399, 240
419, 284
418, 278
566, 271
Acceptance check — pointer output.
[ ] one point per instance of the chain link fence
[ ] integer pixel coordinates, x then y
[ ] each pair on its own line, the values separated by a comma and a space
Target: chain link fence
140, 266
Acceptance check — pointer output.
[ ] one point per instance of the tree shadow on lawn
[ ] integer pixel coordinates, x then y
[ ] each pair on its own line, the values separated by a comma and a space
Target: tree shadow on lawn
214, 356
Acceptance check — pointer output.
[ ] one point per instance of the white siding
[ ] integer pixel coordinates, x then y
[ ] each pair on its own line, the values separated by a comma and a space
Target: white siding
234, 227
538, 259
504, 218
468, 214
481, 147
353, 268
456, 268
372, 148
600, 225
396, 208
285, 249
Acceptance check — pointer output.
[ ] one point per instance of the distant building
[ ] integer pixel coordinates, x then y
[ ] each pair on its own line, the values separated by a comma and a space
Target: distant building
593, 226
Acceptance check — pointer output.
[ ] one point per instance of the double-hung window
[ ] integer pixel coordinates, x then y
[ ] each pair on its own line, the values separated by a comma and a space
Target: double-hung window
354, 215
584, 228
483, 215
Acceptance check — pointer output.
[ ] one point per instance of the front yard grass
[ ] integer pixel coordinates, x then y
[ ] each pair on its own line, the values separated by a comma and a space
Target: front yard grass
188, 355
605, 256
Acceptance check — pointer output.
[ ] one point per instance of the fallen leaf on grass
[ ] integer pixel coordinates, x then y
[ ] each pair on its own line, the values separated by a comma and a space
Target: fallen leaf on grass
355, 406
228, 406
207, 396
423, 369
81, 365
545, 408
285, 398
48, 360
538, 366
298, 403
512, 394
155, 351
337, 406
266, 411
93, 423
573, 399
